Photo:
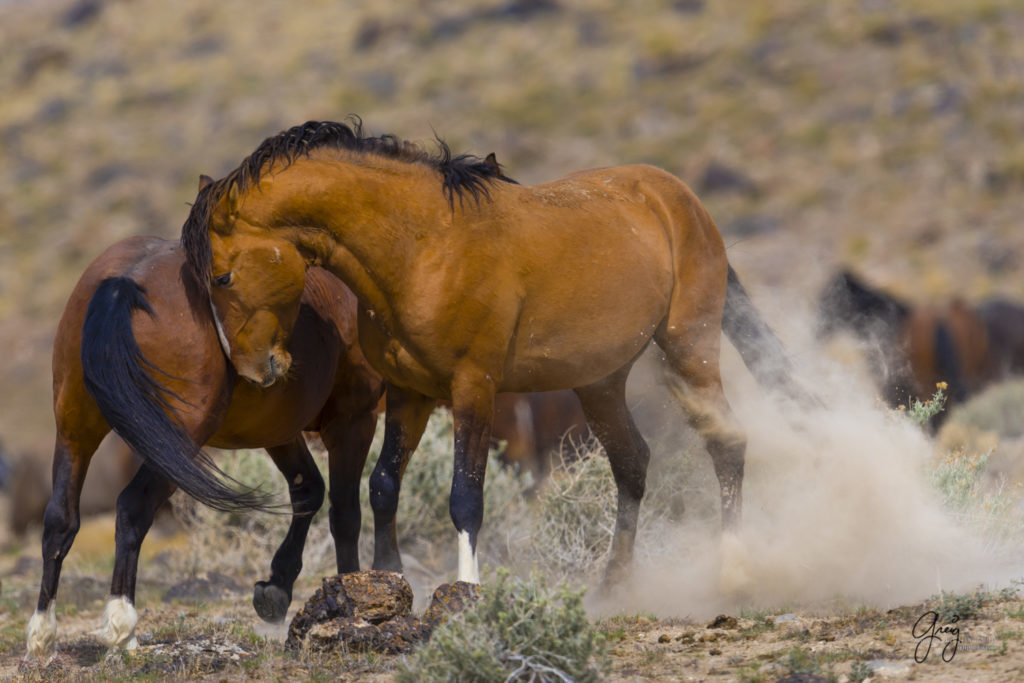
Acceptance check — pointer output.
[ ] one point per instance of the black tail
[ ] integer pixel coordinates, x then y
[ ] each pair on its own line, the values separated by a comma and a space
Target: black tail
137, 407
761, 350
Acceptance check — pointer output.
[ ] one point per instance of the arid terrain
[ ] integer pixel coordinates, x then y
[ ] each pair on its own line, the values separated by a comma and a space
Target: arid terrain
886, 137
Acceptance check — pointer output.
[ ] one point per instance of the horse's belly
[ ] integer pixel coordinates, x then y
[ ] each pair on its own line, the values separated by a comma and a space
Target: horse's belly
545, 367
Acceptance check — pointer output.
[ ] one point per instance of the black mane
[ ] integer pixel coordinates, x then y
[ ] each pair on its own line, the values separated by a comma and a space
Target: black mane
461, 175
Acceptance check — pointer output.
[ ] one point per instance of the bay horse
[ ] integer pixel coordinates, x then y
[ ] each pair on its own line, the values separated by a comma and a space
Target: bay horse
137, 351
469, 285
912, 348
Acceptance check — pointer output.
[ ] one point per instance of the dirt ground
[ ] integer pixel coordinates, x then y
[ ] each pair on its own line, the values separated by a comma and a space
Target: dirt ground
209, 632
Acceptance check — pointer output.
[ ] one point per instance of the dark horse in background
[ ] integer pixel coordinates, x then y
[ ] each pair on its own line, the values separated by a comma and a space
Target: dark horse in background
138, 343
911, 349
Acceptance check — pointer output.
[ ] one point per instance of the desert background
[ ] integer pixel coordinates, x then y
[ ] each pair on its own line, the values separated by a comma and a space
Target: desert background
883, 136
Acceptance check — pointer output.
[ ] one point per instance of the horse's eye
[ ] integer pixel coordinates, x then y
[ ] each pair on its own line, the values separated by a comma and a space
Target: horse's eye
222, 280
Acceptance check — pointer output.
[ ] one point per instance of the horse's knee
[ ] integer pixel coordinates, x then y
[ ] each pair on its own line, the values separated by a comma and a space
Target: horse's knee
384, 489
308, 494
60, 526
133, 519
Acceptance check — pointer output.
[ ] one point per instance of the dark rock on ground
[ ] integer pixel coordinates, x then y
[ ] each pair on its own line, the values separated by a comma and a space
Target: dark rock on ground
723, 621
372, 611
450, 598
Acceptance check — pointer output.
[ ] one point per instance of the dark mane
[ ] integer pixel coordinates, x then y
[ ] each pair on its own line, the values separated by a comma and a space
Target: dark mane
461, 175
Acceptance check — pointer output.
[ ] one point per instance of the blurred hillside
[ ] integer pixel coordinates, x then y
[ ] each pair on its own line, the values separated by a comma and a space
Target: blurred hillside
881, 134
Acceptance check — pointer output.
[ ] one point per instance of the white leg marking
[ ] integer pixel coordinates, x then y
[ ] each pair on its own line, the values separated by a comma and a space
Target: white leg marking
41, 632
119, 620
220, 331
469, 571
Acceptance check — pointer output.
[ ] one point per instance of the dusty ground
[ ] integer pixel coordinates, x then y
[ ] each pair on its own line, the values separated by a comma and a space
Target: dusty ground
213, 634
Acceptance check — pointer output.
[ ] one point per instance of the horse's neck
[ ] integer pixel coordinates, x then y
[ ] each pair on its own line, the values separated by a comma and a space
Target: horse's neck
369, 224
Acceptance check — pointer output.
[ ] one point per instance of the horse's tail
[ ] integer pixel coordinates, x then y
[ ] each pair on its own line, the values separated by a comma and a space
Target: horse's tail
758, 345
137, 407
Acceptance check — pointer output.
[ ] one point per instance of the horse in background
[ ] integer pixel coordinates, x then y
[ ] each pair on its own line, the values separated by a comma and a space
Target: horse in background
910, 349
138, 350
535, 427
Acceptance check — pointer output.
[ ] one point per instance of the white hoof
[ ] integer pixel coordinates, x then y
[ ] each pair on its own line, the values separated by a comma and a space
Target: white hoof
735, 573
119, 620
41, 632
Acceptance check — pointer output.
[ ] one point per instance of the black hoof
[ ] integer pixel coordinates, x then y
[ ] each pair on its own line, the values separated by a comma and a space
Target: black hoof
270, 602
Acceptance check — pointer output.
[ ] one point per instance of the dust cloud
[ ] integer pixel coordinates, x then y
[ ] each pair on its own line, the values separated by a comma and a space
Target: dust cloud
838, 512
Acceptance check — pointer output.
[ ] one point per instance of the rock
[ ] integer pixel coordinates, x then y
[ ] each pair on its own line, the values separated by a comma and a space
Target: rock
450, 598
723, 621
372, 611
339, 613
394, 636
885, 668
377, 596
215, 586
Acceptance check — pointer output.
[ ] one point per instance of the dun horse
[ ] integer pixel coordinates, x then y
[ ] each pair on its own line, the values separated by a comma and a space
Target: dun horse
469, 285
136, 344
913, 348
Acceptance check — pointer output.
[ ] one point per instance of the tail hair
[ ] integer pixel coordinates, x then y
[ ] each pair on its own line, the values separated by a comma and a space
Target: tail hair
135, 404
758, 345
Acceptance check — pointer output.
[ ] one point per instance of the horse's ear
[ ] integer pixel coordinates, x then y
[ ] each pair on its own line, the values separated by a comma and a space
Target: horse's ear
232, 200
492, 161
204, 180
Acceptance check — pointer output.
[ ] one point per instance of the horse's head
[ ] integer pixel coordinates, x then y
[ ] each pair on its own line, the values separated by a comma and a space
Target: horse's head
256, 287
848, 303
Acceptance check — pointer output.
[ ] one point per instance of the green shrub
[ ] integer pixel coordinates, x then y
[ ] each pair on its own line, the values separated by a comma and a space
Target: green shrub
519, 631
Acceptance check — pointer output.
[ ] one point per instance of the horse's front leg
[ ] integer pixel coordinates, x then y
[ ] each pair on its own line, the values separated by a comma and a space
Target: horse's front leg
136, 508
348, 439
473, 413
405, 419
271, 598
60, 526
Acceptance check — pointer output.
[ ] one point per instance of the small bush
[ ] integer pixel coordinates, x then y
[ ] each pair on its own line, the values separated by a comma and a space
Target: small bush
518, 631
921, 413
573, 519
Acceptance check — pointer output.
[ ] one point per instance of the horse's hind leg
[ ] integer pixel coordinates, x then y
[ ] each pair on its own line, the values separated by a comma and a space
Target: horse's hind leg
604, 405
348, 440
136, 508
693, 356
306, 489
60, 525
695, 381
